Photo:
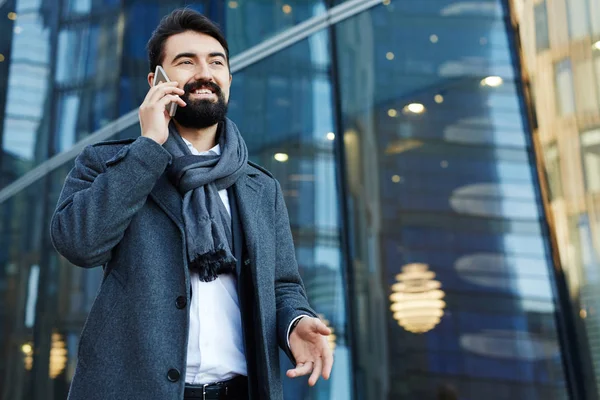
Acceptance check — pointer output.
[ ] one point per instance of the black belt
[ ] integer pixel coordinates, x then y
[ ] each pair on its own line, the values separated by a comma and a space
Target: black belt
236, 388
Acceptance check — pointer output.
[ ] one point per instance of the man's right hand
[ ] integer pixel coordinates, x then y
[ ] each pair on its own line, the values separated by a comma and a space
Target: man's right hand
154, 118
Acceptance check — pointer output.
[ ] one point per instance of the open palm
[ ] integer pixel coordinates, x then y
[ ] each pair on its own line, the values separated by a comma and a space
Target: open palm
310, 348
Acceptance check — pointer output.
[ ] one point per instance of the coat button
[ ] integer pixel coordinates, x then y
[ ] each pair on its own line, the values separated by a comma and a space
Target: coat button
181, 302
173, 375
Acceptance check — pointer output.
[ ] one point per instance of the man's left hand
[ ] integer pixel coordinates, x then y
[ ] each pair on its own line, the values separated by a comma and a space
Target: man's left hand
310, 348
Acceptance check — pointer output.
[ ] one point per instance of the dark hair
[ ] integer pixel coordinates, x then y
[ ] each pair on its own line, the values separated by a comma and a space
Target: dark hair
178, 21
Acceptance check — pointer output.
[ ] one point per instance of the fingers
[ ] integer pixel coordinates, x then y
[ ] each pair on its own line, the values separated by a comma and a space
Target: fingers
159, 91
300, 370
171, 98
327, 362
322, 328
314, 377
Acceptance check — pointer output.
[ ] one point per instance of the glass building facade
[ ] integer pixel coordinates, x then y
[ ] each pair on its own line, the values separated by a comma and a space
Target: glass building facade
561, 52
404, 135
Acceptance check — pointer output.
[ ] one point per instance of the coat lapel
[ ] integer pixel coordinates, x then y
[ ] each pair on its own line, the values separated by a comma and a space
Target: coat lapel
169, 200
247, 190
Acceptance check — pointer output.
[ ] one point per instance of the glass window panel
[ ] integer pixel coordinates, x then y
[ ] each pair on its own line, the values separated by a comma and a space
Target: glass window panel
542, 41
586, 97
72, 54
23, 127
69, 111
553, 173
594, 14
77, 6
590, 148
596, 62
579, 24
89, 52
565, 96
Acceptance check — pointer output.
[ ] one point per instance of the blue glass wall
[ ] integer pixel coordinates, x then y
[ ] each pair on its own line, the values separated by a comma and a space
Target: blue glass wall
439, 172
400, 138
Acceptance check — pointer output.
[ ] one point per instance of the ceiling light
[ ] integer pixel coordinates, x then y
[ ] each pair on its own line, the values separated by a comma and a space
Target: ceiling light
392, 113
416, 301
386, 2
433, 38
597, 45
402, 145
281, 157
396, 178
389, 55
583, 313
58, 356
12, 16
414, 108
1, 57
233, 4
287, 8
444, 164
493, 81
18, 29
27, 350
438, 98
331, 136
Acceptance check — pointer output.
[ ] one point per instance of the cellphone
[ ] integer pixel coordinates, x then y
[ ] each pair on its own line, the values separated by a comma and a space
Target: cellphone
161, 76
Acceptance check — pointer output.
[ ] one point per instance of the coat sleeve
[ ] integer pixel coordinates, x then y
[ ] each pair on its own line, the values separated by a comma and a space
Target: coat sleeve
289, 290
99, 199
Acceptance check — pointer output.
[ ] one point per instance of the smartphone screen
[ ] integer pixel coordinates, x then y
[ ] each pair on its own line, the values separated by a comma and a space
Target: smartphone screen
161, 76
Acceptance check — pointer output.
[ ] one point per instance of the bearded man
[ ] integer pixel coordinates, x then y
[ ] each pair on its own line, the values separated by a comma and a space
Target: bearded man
201, 285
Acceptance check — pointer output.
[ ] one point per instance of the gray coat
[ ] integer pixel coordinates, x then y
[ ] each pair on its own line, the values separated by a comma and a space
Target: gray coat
118, 209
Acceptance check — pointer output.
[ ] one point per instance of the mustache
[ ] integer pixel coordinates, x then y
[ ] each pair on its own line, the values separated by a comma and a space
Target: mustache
192, 86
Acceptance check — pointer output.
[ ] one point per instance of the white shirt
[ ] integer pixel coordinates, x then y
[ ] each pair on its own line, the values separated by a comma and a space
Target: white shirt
216, 345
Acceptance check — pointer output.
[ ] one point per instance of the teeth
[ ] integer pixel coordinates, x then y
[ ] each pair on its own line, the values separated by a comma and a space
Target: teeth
202, 91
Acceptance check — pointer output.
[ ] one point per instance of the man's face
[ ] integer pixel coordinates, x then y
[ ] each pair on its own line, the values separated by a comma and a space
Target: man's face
198, 63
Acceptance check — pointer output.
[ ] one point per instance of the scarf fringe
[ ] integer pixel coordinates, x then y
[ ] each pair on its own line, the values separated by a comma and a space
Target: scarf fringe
210, 265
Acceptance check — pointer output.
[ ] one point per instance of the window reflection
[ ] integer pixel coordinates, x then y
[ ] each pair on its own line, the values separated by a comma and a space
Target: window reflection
439, 173
577, 13
251, 22
542, 40
553, 172
23, 130
590, 148
565, 95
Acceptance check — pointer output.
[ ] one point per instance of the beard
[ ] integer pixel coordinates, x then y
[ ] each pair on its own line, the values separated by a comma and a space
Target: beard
200, 114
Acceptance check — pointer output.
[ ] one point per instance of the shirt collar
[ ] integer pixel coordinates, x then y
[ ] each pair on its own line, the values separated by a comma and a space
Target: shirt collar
216, 150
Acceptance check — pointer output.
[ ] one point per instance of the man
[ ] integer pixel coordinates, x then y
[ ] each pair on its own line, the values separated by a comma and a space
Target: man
200, 281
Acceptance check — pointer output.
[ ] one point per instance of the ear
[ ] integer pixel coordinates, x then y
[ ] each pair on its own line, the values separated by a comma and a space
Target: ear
150, 78
230, 78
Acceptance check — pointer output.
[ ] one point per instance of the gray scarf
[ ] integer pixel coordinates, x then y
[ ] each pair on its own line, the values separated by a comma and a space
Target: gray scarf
208, 233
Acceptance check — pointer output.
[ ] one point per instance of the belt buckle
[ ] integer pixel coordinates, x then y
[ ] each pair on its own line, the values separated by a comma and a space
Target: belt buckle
209, 384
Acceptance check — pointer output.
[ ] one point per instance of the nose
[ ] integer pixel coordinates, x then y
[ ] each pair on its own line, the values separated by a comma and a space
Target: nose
203, 72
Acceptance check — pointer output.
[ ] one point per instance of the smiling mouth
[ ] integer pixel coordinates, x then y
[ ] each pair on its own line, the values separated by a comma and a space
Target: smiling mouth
202, 91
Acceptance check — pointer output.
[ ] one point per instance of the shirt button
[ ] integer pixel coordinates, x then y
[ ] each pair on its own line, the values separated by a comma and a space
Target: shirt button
181, 302
173, 375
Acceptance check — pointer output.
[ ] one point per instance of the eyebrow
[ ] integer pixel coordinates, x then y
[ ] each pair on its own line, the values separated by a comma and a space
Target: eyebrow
194, 55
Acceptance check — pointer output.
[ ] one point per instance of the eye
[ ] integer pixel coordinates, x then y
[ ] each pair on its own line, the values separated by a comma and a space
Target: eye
218, 62
188, 62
